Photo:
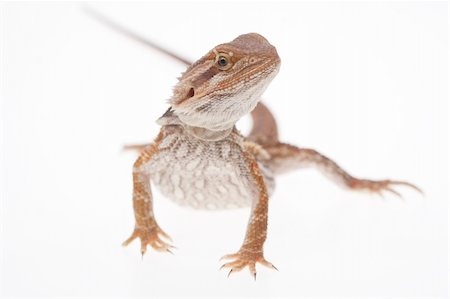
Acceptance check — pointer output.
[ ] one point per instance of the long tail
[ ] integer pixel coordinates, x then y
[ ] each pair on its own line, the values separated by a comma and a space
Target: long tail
264, 130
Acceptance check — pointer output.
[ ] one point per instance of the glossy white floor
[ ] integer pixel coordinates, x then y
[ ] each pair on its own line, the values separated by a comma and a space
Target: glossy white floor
364, 83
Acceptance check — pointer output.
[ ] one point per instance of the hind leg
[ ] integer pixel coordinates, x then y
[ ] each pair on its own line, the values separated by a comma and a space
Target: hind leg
285, 157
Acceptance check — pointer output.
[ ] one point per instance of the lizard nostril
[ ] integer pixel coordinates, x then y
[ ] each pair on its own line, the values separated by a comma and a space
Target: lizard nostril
190, 93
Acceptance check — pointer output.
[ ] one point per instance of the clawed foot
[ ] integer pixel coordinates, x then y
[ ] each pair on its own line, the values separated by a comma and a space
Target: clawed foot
381, 186
150, 236
245, 258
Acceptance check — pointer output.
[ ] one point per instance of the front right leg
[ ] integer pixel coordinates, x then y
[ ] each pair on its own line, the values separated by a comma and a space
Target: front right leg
146, 227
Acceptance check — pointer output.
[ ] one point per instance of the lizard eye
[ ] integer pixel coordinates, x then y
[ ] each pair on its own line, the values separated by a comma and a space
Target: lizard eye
223, 61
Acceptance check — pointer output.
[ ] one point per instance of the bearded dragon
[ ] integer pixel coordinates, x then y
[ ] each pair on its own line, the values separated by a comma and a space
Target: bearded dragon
199, 158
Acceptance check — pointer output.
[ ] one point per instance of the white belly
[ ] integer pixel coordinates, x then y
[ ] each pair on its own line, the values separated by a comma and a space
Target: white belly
204, 175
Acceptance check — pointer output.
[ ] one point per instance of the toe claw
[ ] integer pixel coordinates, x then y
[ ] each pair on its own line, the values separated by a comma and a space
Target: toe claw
252, 269
228, 256
245, 258
143, 249
166, 236
268, 264
149, 237
378, 187
130, 239
393, 191
408, 185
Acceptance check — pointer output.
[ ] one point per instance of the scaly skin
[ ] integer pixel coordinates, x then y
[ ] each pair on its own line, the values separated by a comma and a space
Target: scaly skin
200, 159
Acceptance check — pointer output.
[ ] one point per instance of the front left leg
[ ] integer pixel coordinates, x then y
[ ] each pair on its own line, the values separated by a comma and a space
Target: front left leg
251, 251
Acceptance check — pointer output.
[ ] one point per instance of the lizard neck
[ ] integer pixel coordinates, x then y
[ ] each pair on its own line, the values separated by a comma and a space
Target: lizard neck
205, 134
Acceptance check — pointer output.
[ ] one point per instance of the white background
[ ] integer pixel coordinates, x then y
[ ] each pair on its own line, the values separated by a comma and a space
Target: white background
364, 83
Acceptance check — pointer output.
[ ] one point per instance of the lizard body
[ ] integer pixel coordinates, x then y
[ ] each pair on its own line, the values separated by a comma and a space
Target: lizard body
203, 174
200, 159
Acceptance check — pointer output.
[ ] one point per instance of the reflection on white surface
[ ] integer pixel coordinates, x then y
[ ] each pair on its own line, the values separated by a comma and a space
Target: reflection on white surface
365, 84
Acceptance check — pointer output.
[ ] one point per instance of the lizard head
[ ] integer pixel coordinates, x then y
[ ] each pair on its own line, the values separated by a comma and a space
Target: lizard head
226, 83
